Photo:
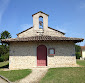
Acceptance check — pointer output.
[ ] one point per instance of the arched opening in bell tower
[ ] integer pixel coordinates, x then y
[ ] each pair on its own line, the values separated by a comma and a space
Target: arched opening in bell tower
40, 22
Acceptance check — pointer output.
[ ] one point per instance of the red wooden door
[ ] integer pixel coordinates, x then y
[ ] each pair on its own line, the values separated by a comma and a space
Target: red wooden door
41, 55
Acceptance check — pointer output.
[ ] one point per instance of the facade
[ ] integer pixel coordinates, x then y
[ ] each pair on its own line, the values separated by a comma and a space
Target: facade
41, 45
83, 52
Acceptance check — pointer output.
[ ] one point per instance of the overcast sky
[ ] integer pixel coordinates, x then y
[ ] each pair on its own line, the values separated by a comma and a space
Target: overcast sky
65, 15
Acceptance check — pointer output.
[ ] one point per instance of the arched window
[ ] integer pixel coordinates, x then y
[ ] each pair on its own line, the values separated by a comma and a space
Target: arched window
40, 22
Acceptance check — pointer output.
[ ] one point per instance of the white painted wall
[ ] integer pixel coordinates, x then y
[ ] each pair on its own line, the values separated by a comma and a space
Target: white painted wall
83, 53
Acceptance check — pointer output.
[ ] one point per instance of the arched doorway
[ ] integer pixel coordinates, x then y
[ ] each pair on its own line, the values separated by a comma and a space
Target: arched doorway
41, 55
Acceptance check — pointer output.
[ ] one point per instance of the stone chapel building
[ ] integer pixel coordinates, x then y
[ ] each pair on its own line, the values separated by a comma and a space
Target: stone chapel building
41, 45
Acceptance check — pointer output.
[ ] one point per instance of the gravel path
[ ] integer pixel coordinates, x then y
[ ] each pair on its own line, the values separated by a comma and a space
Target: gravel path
2, 80
35, 76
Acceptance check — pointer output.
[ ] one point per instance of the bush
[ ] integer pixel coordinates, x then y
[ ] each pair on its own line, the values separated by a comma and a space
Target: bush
77, 51
5, 57
1, 59
78, 55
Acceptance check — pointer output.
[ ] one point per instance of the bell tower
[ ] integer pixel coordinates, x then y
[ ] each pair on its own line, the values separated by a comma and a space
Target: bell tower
40, 22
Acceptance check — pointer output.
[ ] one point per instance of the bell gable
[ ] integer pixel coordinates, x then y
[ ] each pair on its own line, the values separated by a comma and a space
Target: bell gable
40, 27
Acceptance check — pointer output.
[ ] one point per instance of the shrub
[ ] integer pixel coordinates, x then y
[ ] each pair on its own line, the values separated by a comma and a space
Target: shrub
78, 55
1, 59
77, 51
5, 57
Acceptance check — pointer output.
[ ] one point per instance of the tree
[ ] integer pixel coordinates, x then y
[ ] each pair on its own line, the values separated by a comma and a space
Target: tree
77, 51
4, 35
4, 48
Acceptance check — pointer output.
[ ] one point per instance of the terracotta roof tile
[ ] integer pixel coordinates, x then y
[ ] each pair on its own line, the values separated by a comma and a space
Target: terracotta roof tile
44, 38
83, 47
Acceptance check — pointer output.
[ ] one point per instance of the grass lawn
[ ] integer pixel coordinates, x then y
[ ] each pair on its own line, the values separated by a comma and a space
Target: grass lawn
66, 75
3, 64
14, 75
81, 62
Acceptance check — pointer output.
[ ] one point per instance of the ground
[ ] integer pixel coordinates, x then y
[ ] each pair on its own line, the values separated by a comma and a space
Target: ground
66, 74
81, 62
2, 81
35, 76
13, 75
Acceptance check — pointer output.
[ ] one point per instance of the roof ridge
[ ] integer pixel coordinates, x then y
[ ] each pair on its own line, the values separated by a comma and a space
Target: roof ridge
40, 12
24, 30
56, 30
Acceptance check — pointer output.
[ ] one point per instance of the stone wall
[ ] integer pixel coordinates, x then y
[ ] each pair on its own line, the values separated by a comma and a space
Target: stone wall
24, 54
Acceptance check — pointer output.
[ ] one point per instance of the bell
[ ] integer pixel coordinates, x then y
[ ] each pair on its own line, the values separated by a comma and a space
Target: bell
40, 22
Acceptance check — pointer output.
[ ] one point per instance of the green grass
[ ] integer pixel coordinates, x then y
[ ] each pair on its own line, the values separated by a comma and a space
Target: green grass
65, 75
14, 75
81, 62
4, 63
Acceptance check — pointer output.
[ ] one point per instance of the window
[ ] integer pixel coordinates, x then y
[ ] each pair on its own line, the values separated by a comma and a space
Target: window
40, 22
51, 51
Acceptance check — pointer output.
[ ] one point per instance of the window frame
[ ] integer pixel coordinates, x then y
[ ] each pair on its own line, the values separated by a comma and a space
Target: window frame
49, 51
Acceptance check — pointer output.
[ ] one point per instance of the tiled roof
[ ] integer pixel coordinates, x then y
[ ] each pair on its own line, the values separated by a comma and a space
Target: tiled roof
43, 38
83, 47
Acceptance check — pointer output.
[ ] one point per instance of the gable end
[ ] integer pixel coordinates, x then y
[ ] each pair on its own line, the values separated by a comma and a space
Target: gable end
40, 12
24, 31
57, 30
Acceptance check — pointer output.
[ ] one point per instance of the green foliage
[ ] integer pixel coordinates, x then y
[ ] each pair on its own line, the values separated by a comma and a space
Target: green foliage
5, 57
77, 48
1, 59
77, 51
4, 48
78, 55
4, 53
5, 34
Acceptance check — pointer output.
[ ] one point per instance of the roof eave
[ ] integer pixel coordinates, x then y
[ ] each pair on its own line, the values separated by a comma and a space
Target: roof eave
7, 41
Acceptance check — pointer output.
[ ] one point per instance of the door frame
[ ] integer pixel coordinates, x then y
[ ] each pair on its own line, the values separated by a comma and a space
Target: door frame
46, 54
